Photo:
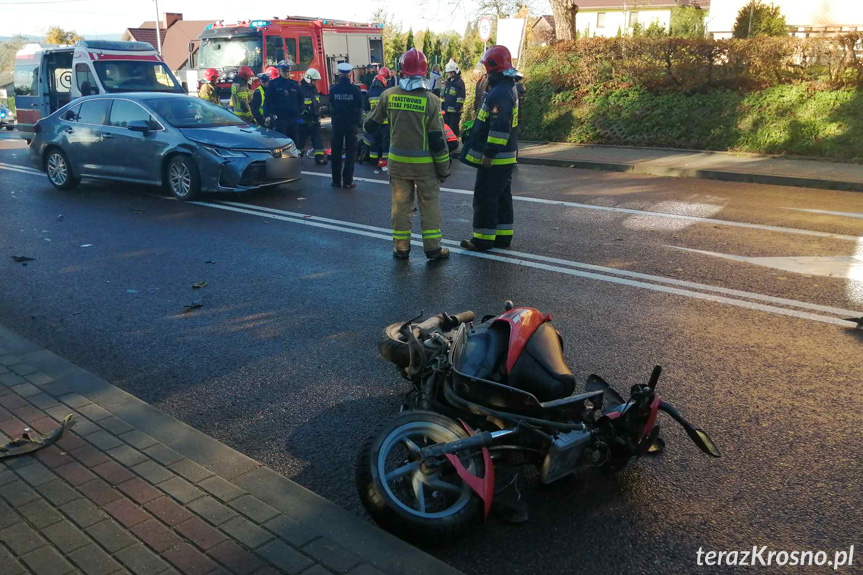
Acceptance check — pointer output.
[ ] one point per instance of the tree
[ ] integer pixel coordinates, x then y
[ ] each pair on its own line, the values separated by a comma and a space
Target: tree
687, 22
409, 41
564, 18
759, 19
8, 50
57, 35
392, 35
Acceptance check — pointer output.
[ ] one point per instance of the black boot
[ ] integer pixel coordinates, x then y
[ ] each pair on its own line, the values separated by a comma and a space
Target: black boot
472, 247
439, 254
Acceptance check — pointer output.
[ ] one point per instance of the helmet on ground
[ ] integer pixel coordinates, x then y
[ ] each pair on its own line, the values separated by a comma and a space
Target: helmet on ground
451, 66
245, 72
211, 75
284, 65
312, 74
414, 63
345, 68
497, 59
273, 72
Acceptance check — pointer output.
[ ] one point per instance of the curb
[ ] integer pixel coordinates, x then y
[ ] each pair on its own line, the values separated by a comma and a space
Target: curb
741, 177
386, 552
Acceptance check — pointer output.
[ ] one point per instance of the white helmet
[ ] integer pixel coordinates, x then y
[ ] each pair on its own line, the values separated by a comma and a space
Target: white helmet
312, 74
451, 66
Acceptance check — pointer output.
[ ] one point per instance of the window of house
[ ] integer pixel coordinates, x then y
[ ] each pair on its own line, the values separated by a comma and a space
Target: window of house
275, 50
633, 18
85, 81
307, 51
600, 20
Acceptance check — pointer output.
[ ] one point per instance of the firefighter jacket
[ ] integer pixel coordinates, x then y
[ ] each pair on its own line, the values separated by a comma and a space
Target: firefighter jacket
453, 95
283, 98
209, 93
311, 103
418, 150
346, 103
494, 133
373, 96
241, 100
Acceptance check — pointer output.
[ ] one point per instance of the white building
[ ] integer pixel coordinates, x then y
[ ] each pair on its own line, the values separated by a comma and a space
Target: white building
821, 16
612, 17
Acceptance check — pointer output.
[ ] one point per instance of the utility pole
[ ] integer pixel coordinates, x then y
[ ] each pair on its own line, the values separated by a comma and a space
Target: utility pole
158, 29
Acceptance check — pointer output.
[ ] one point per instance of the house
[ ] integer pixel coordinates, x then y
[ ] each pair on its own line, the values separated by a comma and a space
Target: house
804, 17
615, 17
176, 35
7, 89
542, 30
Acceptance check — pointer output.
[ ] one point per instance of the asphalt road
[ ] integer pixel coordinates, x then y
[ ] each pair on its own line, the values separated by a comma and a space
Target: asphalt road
280, 362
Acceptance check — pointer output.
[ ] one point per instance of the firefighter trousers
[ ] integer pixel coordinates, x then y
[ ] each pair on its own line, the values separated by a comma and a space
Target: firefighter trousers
380, 148
311, 131
344, 140
492, 207
427, 193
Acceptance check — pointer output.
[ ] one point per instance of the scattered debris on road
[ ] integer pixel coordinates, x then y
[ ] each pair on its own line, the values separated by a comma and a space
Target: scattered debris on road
194, 305
60, 218
199, 285
209, 262
29, 441
131, 291
86, 245
136, 211
21, 259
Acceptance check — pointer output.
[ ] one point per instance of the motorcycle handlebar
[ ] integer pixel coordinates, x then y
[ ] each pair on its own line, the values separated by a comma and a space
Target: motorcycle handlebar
446, 321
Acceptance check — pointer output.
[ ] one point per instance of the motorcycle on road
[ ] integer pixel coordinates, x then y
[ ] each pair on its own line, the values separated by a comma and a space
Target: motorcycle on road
492, 393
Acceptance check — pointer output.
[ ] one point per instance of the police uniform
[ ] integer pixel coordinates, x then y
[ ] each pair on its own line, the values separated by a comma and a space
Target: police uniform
346, 104
379, 141
495, 137
310, 121
453, 101
284, 102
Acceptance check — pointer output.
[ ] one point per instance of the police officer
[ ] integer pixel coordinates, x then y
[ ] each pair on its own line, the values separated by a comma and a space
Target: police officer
419, 158
207, 91
453, 96
259, 96
346, 103
310, 118
240, 96
283, 101
379, 141
492, 150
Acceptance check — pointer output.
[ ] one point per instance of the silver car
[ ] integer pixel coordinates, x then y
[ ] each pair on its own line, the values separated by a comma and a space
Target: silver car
181, 142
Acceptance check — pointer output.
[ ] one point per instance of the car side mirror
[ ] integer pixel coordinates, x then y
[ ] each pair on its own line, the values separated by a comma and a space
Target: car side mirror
139, 126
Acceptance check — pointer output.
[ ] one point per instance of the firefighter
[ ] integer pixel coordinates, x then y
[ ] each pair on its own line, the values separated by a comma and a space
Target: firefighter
259, 96
453, 96
390, 77
240, 97
378, 141
346, 103
208, 91
419, 159
310, 118
492, 151
284, 102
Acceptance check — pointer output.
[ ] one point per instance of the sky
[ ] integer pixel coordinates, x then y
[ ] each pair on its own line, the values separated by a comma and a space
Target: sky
110, 17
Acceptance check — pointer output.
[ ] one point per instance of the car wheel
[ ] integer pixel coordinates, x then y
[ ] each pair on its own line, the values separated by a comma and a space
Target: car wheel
59, 171
182, 179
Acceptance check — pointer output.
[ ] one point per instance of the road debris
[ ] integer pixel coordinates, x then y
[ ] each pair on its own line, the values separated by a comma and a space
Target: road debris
21, 259
60, 218
131, 291
194, 305
86, 245
29, 441
209, 262
199, 285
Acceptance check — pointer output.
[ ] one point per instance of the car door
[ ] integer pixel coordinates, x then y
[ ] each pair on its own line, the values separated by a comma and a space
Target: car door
83, 135
128, 154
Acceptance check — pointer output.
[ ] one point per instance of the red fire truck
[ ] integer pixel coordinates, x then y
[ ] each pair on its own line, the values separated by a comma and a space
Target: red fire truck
309, 42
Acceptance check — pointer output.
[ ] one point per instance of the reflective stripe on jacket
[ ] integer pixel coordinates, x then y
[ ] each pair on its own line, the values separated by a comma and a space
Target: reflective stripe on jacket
241, 100
493, 133
453, 95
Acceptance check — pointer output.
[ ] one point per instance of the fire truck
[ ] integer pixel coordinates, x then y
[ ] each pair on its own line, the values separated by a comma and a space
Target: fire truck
308, 42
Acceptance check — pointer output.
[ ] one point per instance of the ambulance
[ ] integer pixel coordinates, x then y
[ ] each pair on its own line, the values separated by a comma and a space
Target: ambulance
47, 77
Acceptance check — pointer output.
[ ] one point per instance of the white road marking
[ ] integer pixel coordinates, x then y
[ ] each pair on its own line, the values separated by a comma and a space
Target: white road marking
695, 219
20, 169
847, 267
828, 213
577, 265
367, 231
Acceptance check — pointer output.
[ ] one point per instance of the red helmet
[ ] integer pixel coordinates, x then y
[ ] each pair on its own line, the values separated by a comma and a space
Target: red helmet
497, 59
273, 72
414, 63
382, 79
211, 74
245, 72
385, 72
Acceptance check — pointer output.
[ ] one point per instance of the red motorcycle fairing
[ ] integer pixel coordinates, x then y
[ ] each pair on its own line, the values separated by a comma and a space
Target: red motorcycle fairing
523, 323
484, 487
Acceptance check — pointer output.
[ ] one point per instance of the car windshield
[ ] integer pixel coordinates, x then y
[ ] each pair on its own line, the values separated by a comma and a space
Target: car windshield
193, 113
231, 52
135, 76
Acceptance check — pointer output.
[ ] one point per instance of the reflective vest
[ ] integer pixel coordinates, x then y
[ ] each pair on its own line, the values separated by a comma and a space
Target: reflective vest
260, 90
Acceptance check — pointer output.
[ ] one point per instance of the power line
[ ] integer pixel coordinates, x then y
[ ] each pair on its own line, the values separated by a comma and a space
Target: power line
42, 2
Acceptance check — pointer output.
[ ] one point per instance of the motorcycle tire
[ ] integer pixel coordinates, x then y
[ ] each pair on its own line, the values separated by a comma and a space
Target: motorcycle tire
393, 346
395, 515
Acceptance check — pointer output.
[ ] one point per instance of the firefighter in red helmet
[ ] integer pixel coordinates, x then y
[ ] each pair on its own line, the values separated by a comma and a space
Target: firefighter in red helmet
418, 159
208, 91
241, 98
492, 151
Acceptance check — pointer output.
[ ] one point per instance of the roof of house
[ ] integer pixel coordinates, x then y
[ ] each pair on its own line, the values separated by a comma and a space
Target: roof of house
175, 40
548, 18
6, 78
636, 5
145, 35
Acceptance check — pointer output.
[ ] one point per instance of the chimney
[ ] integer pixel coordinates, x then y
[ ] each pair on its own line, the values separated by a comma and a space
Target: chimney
169, 19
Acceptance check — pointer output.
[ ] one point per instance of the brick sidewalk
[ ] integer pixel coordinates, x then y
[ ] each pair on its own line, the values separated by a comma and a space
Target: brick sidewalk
110, 498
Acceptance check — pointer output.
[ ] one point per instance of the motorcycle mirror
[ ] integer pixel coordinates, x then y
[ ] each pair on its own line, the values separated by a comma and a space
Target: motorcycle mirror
508, 305
703, 441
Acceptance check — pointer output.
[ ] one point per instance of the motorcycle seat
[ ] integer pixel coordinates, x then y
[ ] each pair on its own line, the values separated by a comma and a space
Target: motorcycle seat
541, 369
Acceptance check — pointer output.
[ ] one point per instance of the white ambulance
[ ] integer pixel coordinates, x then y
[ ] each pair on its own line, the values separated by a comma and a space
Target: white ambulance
48, 77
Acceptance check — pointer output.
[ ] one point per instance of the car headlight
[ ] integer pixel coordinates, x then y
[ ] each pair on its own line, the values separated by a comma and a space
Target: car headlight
290, 150
224, 152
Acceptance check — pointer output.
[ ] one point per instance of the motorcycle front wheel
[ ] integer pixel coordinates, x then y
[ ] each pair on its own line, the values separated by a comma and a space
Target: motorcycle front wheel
421, 503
